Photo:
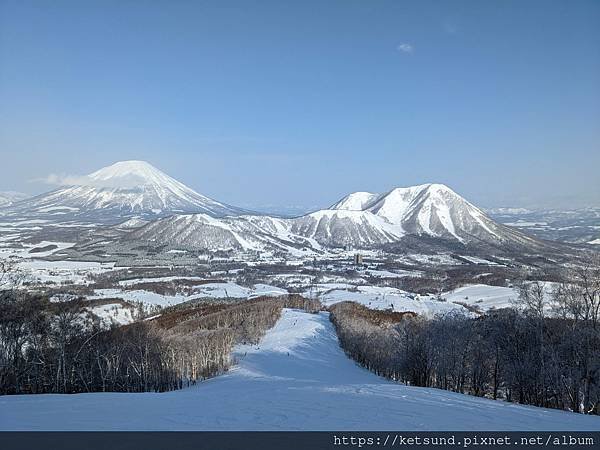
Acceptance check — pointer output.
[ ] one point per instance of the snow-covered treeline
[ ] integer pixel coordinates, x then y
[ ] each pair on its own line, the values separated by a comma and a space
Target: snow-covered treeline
517, 354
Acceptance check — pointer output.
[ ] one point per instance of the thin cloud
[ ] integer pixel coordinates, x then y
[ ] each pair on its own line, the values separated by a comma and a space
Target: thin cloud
451, 25
131, 181
62, 180
405, 48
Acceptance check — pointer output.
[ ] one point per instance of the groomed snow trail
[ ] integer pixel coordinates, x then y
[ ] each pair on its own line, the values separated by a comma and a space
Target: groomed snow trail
296, 379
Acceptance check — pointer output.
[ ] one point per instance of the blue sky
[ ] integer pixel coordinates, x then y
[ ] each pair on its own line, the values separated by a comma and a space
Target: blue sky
298, 103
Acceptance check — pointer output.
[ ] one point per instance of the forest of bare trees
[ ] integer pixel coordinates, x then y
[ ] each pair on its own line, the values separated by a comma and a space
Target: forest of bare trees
47, 348
544, 351
541, 352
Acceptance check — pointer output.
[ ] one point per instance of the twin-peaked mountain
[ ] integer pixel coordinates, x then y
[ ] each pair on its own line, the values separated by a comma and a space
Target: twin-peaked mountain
427, 209
363, 219
180, 217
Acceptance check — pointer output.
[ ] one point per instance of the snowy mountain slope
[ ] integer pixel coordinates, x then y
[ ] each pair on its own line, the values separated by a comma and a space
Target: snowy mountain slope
338, 228
310, 233
437, 211
425, 209
7, 198
130, 224
357, 201
297, 378
203, 232
123, 189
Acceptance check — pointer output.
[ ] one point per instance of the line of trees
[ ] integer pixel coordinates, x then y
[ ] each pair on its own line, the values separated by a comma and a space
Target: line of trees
543, 353
47, 348
297, 301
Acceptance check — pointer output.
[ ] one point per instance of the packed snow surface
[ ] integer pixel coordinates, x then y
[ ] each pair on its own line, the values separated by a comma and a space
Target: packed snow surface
297, 378
483, 296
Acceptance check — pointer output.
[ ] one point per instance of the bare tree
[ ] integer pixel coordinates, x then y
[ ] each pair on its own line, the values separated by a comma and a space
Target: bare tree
578, 300
11, 276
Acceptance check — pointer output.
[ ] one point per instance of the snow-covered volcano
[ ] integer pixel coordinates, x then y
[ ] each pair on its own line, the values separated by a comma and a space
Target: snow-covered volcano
121, 190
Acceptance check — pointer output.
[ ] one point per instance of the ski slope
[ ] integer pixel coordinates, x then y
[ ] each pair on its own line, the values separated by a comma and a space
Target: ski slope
296, 379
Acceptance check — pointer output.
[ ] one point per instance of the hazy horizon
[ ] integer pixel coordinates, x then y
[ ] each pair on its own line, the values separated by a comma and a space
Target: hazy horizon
258, 105
54, 181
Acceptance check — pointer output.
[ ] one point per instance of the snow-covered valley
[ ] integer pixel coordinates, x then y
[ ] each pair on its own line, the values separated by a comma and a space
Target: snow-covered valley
297, 378
130, 248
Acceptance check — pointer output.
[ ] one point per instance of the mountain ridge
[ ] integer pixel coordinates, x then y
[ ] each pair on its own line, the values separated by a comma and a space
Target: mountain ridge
429, 211
7, 198
179, 215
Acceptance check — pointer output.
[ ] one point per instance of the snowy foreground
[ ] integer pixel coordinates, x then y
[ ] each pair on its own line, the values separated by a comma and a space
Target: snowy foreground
296, 379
